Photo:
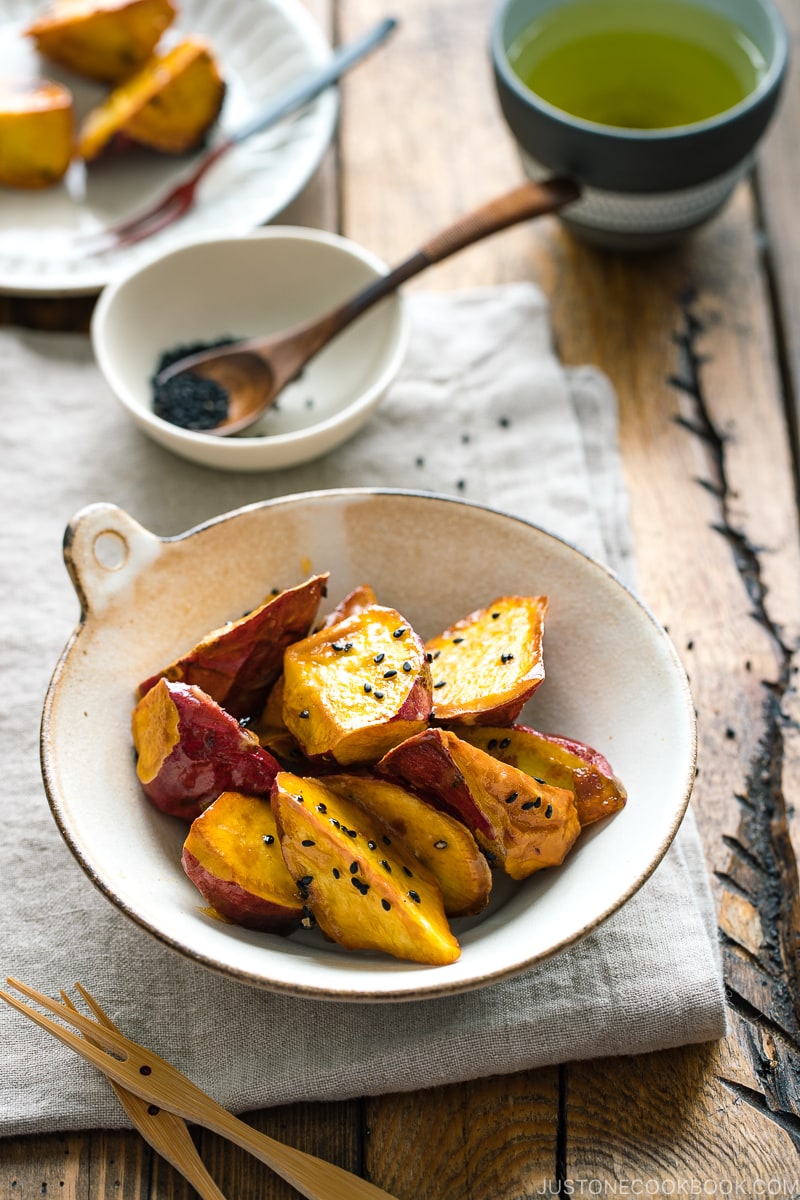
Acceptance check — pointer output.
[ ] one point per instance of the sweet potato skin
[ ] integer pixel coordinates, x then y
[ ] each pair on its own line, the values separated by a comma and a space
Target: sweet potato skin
190, 751
238, 664
232, 856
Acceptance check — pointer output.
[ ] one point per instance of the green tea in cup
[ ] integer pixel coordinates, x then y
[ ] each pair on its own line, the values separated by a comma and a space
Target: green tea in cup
637, 64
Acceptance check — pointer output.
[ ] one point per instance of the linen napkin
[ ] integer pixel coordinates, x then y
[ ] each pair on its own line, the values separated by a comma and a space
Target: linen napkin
480, 390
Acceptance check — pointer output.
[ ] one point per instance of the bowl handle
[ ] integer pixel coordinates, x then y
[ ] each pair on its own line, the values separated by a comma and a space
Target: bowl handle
104, 551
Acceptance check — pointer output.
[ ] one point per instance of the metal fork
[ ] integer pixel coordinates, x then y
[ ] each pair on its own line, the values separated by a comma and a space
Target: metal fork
167, 1133
181, 199
157, 1082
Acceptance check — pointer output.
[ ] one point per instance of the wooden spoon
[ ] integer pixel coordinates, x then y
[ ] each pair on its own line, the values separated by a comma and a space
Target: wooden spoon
254, 372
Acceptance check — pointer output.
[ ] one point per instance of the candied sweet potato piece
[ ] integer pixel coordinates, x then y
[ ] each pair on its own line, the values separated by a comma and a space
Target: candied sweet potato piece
560, 761
190, 751
487, 665
365, 889
238, 664
102, 39
232, 855
357, 688
525, 825
443, 844
37, 130
169, 104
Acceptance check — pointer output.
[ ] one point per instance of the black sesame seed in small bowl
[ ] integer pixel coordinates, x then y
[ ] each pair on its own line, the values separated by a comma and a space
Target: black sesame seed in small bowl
238, 287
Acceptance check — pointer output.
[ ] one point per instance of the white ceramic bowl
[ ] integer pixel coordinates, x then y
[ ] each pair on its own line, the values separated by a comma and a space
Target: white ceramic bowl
242, 287
613, 681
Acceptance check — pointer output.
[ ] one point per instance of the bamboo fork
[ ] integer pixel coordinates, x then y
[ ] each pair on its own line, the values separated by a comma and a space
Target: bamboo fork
154, 1079
166, 1132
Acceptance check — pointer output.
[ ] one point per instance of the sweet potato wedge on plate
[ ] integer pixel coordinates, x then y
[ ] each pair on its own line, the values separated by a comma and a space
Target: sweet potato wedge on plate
104, 40
168, 105
37, 132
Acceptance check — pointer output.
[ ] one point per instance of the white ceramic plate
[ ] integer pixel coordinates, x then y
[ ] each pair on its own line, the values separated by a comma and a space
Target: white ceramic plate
262, 46
613, 681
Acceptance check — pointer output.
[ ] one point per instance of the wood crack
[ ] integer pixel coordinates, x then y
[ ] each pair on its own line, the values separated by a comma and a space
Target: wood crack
787, 1121
763, 985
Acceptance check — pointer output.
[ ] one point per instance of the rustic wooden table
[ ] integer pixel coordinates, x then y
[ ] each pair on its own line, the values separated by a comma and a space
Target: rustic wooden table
703, 346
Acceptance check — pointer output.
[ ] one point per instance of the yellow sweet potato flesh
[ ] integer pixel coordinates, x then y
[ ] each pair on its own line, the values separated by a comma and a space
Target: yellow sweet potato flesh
485, 666
105, 40
169, 104
357, 688
232, 855
37, 131
444, 845
598, 793
364, 888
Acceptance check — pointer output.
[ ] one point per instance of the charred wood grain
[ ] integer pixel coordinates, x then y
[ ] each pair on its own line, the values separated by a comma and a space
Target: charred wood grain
760, 907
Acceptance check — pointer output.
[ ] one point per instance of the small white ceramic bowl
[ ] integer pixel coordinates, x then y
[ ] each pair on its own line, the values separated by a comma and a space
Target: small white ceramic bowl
243, 287
613, 681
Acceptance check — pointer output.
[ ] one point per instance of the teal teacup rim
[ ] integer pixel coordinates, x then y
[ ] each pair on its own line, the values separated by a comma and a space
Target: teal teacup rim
770, 81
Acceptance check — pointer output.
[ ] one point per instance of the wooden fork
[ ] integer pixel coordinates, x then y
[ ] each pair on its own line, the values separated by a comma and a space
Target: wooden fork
154, 1079
167, 1133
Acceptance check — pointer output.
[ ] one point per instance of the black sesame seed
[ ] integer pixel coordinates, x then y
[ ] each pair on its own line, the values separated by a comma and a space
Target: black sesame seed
406, 666
429, 657
491, 743
379, 657
461, 484
348, 646
244, 722
335, 823
398, 633
389, 674
300, 798
457, 641
367, 687
528, 804
372, 845
307, 842
407, 872
495, 615
548, 812
337, 646
387, 841
351, 833
440, 684
440, 845
268, 839
420, 462
505, 743
511, 797
360, 885
303, 715
323, 808
537, 802
305, 881
506, 658
415, 897
378, 695
353, 868
437, 653
385, 904
538, 780
335, 872
504, 422
386, 866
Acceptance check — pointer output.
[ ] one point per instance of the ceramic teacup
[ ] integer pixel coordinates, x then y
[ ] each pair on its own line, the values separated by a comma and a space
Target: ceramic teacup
641, 187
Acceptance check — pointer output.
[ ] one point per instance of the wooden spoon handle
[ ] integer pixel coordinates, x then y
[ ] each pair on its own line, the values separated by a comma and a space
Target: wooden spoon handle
528, 200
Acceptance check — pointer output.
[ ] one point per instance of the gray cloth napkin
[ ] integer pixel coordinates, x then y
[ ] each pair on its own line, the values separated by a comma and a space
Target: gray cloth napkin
483, 410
